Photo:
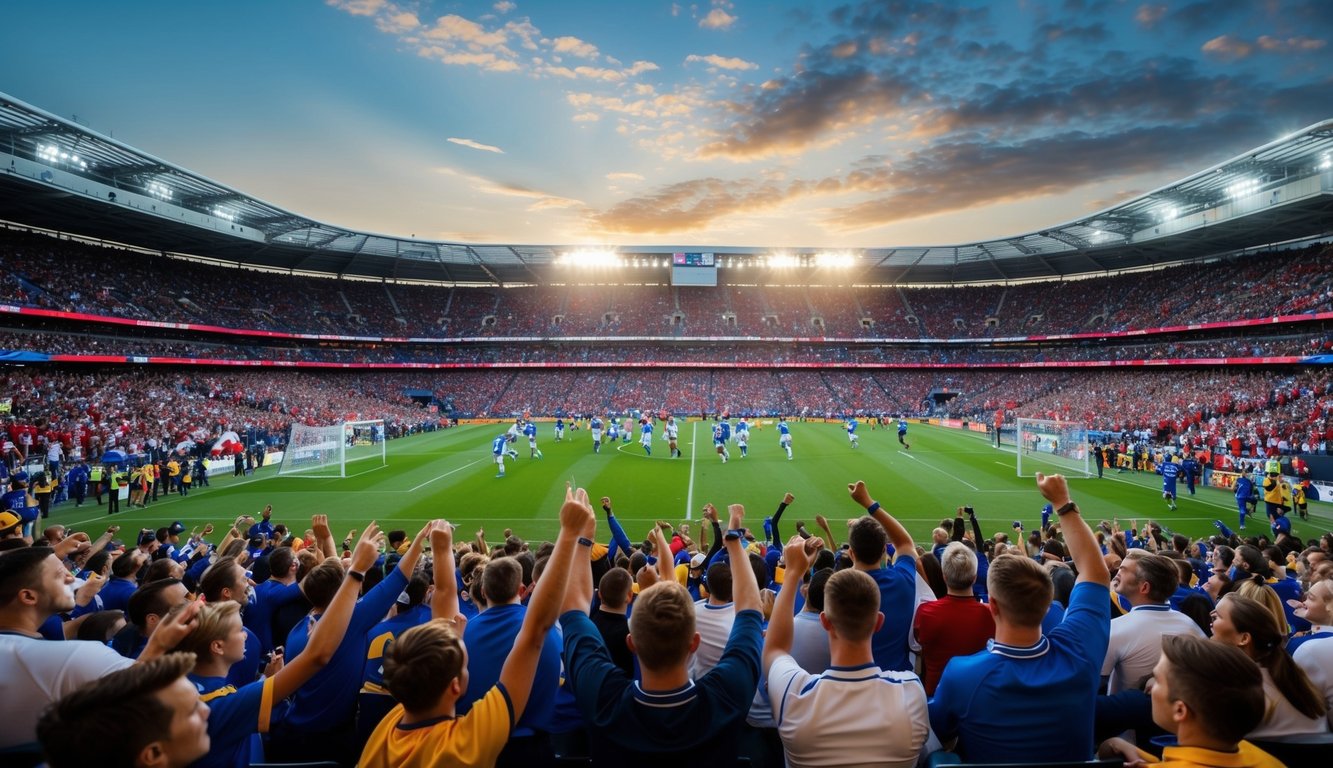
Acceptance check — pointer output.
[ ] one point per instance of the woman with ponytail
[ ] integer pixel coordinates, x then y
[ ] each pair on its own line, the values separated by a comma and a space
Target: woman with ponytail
1294, 706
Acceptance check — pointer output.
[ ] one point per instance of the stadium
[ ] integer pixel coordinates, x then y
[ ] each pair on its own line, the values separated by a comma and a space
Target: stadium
196, 354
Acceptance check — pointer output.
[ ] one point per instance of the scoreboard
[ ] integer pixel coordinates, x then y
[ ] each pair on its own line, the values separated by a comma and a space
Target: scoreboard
694, 269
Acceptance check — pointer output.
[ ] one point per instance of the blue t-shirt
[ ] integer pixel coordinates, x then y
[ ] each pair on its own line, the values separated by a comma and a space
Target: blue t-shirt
697, 724
327, 701
897, 598
902, 427
498, 445
530, 430
381, 637
1047, 691
783, 429
851, 427
270, 595
116, 594
490, 639
234, 714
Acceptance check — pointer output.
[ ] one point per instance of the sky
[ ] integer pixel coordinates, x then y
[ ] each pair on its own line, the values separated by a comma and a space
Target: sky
778, 124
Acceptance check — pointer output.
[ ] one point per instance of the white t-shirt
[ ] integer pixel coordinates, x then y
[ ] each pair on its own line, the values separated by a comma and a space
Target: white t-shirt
1316, 658
1283, 719
713, 623
809, 643
850, 716
38, 672
1136, 643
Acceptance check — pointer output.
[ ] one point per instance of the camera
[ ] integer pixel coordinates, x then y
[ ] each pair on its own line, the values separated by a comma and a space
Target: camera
969, 511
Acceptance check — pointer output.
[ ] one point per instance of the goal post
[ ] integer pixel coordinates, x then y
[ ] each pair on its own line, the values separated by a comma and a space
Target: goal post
326, 451
1052, 447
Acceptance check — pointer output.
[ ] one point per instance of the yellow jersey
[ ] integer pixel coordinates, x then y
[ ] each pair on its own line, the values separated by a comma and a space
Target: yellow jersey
475, 739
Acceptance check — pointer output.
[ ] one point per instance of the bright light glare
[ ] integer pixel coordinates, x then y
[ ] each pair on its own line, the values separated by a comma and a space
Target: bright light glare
835, 260
52, 154
225, 214
588, 258
159, 190
1326, 163
783, 261
1168, 213
1243, 188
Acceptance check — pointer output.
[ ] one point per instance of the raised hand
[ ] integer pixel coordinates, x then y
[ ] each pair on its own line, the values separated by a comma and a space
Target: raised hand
788, 498
320, 525
799, 553
710, 512
441, 537
1054, 489
576, 510
367, 548
859, 494
735, 516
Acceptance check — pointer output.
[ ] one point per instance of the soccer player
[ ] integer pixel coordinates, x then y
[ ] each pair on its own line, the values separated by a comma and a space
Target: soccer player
726, 431
625, 430
851, 433
743, 440
1244, 492
672, 432
646, 435
595, 427
720, 442
1169, 470
784, 436
902, 434
1190, 469
498, 450
613, 430
531, 431
1298, 499
559, 429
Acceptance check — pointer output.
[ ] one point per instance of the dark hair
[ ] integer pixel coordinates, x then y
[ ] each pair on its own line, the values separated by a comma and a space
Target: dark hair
868, 541
124, 567
814, 594
1254, 559
1269, 644
20, 569
1218, 682
1199, 608
934, 574
110, 720
149, 600
219, 576
614, 588
97, 626
1062, 581
501, 579
322, 582
719, 582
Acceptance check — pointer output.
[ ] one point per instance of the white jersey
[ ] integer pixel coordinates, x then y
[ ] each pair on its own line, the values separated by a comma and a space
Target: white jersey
672, 431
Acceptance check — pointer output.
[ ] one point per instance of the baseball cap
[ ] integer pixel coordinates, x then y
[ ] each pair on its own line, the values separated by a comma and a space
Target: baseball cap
176, 528
8, 520
147, 537
695, 562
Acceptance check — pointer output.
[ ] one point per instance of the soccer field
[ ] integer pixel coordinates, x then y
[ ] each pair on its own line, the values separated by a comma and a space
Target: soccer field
450, 474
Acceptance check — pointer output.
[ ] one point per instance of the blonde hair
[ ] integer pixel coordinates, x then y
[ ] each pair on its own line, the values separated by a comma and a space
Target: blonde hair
1021, 588
1268, 598
211, 624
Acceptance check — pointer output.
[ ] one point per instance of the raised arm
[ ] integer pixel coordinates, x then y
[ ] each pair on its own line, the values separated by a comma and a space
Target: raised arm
444, 604
787, 499
829, 541
898, 535
778, 639
332, 625
744, 588
413, 554
1080, 541
710, 514
319, 524
544, 607
618, 538
578, 595
666, 566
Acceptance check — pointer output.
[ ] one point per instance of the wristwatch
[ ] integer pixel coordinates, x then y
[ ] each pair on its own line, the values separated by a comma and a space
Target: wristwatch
1066, 509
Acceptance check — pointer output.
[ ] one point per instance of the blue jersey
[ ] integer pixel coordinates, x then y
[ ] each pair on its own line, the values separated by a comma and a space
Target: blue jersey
782, 428
742, 427
902, 427
1169, 472
559, 423
1189, 468
647, 430
530, 430
851, 426
596, 423
1244, 488
613, 431
726, 430
717, 433
498, 445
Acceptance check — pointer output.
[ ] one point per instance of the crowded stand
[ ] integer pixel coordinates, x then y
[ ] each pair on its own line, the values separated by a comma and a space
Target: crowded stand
44, 272
452, 656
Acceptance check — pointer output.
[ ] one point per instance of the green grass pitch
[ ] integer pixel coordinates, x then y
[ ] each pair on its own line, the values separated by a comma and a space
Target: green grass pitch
450, 475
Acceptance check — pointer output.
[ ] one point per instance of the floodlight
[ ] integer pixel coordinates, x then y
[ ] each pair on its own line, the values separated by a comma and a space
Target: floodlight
835, 260
587, 258
1326, 163
1243, 188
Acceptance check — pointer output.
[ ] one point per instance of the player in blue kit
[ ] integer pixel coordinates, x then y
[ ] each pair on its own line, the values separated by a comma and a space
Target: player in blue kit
595, 427
743, 436
559, 430
646, 435
1169, 470
851, 433
531, 431
902, 434
613, 431
1190, 469
784, 436
498, 450
720, 443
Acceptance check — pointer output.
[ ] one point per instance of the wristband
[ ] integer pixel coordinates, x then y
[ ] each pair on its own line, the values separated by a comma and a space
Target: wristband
873, 508
735, 534
356, 576
1066, 509
584, 541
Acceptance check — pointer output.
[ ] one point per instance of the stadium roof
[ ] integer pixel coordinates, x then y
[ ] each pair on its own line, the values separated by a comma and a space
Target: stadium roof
60, 175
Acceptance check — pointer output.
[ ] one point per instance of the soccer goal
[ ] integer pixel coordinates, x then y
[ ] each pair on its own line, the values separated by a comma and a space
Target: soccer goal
326, 451
1052, 447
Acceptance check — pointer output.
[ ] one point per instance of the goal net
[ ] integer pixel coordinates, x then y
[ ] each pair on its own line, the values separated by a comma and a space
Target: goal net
326, 451
1052, 447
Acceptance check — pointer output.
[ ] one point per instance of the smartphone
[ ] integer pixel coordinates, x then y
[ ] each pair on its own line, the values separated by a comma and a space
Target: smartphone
1017, 525
969, 511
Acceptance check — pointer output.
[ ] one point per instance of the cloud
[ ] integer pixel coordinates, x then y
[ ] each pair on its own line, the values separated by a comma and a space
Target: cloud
1228, 47
586, 117
475, 145
1289, 45
541, 200
359, 7
1148, 15
721, 62
454, 28
624, 175
504, 6
398, 23
717, 19
575, 47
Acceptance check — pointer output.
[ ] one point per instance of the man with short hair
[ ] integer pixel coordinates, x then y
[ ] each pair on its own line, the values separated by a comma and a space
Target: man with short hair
869, 537
667, 719
34, 586
1042, 686
880, 717
956, 624
613, 593
1209, 695
147, 715
147, 608
1147, 582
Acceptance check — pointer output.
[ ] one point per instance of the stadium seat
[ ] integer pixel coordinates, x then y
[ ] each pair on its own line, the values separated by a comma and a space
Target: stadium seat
257, 759
1306, 749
